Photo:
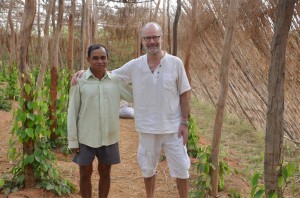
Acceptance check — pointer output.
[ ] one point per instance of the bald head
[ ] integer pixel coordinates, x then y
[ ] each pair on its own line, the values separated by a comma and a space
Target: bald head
152, 26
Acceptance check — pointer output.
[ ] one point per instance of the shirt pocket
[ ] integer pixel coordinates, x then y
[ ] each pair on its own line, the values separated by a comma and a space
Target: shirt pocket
169, 83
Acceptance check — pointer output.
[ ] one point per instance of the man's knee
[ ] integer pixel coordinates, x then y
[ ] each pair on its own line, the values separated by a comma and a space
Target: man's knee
86, 172
104, 170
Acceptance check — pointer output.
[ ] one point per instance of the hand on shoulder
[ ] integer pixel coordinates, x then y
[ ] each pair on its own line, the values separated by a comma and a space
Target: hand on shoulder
78, 74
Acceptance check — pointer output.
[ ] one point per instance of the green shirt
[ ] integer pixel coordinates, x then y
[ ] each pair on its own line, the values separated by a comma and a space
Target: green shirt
93, 112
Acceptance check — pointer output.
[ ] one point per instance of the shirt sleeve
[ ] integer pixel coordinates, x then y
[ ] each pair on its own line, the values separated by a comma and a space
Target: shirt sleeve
126, 92
73, 111
124, 72
183, 82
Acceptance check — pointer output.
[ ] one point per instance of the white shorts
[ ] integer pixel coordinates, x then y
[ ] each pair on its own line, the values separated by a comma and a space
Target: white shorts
176, 153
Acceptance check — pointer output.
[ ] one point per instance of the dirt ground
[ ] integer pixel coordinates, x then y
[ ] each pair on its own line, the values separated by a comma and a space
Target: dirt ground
126, 179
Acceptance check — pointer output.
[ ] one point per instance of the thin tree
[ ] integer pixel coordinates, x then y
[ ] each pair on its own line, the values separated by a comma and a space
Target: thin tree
222, 95
84, 31
53, 18
70, 54
82, 36
94, 23
13, 38
54, 71
175, 27
156, 10
25, 32
45, 52
38, 47
275, 121
164, 23
169, 27
190, 40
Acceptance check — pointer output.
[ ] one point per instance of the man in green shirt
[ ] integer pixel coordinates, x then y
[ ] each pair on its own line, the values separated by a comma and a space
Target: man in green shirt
93, 120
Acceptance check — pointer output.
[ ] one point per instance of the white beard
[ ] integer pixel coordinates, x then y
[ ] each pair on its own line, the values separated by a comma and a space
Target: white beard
153, 50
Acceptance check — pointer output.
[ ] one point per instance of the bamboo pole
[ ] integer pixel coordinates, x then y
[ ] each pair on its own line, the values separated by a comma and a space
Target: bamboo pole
225, 60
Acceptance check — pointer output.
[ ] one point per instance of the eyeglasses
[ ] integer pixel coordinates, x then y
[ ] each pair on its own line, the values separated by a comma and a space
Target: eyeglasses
148, 38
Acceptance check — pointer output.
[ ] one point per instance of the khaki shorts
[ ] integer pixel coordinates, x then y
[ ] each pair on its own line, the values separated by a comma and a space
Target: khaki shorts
149, 151
105, 154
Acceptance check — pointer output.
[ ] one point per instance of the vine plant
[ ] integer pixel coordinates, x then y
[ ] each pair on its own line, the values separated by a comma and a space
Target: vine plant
47, 176
288, 177
203, 164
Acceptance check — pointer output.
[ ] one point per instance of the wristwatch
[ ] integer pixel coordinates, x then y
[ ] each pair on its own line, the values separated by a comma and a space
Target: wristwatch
186, 123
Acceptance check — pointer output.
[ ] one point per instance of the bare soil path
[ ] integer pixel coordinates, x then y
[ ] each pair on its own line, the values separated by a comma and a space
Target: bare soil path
126, 179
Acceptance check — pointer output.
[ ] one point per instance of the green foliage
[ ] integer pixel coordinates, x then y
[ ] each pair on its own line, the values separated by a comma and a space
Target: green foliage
204, 166
12, 89
288, 178
61, 108
4, 103
193, 138
257, 189
31, 123
234, 193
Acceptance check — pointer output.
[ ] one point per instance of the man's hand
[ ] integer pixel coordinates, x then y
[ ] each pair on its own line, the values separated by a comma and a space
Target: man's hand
75, 151
75, 76
183, 131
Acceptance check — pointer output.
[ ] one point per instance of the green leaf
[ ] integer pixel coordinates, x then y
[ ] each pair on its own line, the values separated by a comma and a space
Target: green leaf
28, 159
49, 186
284, 173
290, 169
280, 182
35, 105
259, 193
20, 179
29, 105
27, 88
1, 182
37, 158
31, 116
44, 108
29, 132
255, 178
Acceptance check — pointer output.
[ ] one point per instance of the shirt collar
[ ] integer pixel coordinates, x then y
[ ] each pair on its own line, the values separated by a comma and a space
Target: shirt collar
89, 74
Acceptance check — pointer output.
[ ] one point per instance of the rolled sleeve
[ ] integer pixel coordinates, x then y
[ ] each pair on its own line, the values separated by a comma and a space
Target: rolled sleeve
74, 106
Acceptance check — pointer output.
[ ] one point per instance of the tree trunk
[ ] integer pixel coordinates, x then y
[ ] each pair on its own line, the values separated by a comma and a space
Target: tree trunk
13, 39
70, 54
45, 52
38, 47
84, 32
138, 41
169, 27
150, 10
54, 71
222, 95
53, 14
94, 23
164, 24
86, 41
25, 31
175, 26
275, 121
190, 40
156, 10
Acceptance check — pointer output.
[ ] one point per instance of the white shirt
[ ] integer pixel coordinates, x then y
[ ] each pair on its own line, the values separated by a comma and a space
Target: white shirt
156, 95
